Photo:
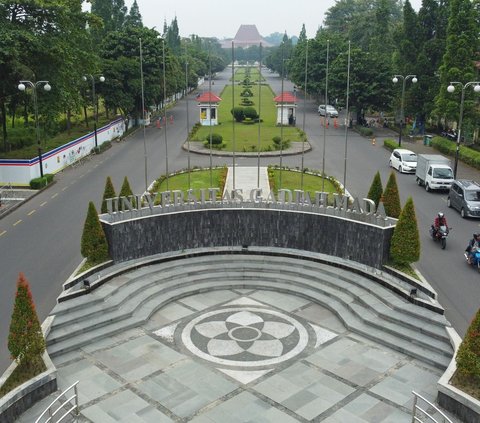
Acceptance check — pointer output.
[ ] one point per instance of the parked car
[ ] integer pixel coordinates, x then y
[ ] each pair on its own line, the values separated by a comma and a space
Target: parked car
464, 195
327, 110
405, 161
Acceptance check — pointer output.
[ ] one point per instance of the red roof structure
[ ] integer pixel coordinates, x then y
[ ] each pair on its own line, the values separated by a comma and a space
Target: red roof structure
285, 97
208, 97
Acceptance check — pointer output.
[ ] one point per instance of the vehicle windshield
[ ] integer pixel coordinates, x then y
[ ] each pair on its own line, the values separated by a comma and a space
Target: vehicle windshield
409, 157
330, 108
472, 195
442, 173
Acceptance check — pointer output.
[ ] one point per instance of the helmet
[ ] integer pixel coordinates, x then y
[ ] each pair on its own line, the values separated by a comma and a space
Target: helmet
440, 215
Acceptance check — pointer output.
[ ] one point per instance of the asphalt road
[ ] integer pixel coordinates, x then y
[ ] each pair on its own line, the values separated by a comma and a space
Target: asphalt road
42, 238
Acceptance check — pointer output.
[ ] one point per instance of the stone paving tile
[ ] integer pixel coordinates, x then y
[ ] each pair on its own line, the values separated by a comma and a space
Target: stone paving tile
124, 407
304, 390
167, 314
322, 316
367, 409
209, 299
353, 361
186, 387
93, 381
244, 408
137, 358
110, 341
398, 386
284, 301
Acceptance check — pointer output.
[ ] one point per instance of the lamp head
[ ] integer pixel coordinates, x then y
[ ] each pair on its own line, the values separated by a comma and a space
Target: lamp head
47, 87
451, 88
21, 87
414, 80
476, 88
84, 78
395, 80
102, 78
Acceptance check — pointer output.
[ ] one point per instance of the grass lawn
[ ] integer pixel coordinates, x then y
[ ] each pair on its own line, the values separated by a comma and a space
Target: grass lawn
198, 179
468, 385
247, 135
22, 373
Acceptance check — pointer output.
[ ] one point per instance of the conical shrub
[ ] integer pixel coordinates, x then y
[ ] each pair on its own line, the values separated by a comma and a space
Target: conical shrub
468, 356
109, 192
94, 245
25, 338
376, 189
125, 191
391, 197
405, 243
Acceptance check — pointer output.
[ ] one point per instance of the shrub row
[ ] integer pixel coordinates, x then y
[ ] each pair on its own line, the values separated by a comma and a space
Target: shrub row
38, 183
390, 144
465, 154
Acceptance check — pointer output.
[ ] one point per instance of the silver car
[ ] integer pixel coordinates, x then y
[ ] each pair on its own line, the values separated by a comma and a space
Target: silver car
327, 110
464, 195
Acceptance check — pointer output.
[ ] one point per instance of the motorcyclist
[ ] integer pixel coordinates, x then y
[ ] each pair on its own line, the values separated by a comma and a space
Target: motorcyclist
472, 247
440, 220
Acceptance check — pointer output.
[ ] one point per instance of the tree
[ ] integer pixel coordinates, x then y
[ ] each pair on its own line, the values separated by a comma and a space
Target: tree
391, 197
468, 356
94, 245
25, 339
376, 189
134, 18
405, 243
109, 192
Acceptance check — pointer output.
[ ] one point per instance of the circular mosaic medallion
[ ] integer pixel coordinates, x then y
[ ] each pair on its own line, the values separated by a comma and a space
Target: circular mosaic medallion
246, 336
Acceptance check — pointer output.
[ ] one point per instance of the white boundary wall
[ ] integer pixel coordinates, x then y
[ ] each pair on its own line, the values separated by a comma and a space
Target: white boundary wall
20, 172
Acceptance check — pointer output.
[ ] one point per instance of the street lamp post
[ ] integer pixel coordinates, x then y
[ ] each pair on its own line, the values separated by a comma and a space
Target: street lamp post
33, 85
101, 78
404, 80
451, 89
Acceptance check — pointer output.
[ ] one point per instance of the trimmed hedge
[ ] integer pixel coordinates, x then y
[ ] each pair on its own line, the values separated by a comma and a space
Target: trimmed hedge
468, 356
466, 155
390, 144
38, 183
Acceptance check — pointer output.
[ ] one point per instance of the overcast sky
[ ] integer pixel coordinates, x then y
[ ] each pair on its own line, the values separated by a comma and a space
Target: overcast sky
221, 19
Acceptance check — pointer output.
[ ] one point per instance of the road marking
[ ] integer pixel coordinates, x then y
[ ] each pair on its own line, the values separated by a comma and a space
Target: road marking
17, 222
33, 211
54, 195
3, 233
41, 205
64, 188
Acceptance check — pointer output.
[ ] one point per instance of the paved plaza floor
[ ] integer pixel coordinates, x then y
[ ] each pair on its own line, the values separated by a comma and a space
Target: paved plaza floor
243, 356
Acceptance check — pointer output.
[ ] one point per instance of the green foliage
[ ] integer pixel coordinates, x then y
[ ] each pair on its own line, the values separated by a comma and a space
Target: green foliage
102, 147
390, 144
376, 189
250, 113
247, 92
278, 144
25, 339
391, 197
109, 192
126, 192
41, 182
366, 132
216, 139
468, 356
465, 154
405, 243
94, 245
238, 113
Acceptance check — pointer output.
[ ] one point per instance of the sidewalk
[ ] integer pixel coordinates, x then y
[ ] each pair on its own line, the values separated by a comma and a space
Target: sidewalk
248, 178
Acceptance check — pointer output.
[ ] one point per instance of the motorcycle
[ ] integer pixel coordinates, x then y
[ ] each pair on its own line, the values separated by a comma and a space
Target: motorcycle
440, 235
474, 258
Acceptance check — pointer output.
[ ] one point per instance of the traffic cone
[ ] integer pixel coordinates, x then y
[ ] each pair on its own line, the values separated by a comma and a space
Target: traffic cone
171, 118
326, 122
335, 123
158, 124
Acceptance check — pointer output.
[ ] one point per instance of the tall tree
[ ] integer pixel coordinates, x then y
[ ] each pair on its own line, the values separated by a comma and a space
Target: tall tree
134, 18
457, 63
94, 245
391, 197
405, 243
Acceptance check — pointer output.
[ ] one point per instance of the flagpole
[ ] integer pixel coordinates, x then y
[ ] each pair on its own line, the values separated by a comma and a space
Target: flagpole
304, 112
165, 115
188, 123
233, 115
325, 120
143, 115
259, 109
347, 121
281, 119
210, 109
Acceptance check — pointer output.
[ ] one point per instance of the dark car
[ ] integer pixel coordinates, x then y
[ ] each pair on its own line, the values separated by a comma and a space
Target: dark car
464, 195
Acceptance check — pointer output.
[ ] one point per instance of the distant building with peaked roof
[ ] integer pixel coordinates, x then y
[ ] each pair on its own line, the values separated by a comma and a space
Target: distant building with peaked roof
247, 36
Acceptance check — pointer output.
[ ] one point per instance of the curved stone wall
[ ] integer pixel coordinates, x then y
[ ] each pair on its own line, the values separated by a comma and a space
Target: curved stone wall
326, 234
